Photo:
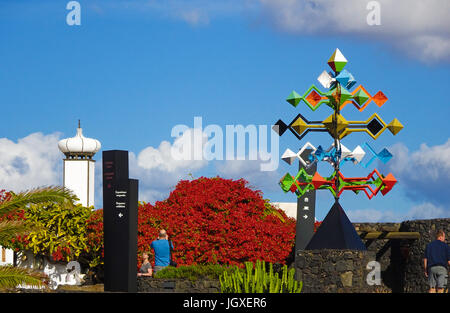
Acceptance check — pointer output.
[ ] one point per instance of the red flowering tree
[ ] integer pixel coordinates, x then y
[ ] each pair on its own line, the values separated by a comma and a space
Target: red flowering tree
94, 229
216, 220
210, 220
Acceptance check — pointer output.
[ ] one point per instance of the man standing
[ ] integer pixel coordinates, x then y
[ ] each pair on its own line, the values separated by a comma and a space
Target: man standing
436, 261
162, 251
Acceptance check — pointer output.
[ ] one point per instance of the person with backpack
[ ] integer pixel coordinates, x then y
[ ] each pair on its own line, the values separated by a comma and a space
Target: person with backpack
162, 248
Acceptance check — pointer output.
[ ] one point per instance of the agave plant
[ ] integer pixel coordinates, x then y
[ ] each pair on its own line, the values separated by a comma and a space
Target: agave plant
10, 276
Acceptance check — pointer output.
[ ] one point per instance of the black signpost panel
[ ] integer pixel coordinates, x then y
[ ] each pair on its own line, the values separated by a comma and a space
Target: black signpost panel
120, 208
306, 210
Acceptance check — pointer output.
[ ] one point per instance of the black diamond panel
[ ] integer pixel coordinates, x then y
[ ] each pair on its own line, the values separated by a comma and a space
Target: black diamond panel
280, 127
374, 126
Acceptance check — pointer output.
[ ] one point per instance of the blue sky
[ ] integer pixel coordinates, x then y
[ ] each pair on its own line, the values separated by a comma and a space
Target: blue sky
134, 69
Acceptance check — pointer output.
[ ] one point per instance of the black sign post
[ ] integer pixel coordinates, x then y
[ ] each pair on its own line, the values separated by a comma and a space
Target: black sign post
306, 210
120, 211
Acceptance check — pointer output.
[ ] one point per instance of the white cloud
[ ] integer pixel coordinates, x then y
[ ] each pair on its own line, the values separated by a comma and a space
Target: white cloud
372, 216
157, 181
427, 210
159, 170
35, 160
402, 17
163, 157
193, 12
251, 171
194, 17
419, 28
427, 48
424, 174
424, 210
32, 161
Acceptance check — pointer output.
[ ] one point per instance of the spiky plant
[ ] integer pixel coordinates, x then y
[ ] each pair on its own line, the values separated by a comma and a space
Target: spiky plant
10, 229
12, 276
56, 194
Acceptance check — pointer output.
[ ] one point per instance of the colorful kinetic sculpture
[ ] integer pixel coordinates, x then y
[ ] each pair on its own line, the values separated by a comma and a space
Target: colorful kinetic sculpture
339, 83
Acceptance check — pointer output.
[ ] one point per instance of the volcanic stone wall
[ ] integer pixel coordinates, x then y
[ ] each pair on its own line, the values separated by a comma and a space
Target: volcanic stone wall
150, 284
401, 261
335, 271
414, 278
390, 253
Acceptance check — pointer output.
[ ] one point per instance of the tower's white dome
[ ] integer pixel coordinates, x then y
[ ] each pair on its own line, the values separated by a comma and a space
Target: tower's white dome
79, 146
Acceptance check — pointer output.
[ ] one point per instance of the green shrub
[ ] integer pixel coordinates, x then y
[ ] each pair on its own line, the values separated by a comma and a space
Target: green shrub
58, 231
194, 272
257, 280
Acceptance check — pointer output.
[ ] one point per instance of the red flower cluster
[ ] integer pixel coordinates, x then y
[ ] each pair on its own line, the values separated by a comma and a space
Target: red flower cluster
94, 227
16, 215
60, 253
316, 225
4, 195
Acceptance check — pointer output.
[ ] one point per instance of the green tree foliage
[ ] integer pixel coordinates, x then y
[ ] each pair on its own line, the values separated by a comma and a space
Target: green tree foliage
10, 204
61, 230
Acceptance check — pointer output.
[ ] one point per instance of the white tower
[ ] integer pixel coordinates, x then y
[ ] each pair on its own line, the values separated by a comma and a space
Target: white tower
79, 167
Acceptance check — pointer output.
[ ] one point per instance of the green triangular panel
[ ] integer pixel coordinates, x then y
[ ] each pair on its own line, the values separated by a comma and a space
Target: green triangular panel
339, 66
360, 97
286, 182
345, 95
294, 98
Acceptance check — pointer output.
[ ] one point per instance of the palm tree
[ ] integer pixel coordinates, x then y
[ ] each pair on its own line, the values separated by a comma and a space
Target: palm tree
12, 276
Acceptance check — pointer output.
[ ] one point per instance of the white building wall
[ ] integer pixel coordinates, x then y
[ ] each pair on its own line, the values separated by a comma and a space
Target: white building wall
79, 177
290, 208
91, 182
6, 256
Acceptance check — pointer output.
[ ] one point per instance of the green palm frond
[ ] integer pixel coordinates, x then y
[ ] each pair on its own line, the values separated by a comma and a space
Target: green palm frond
271, 210
11, 277
12, 229
38, 195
